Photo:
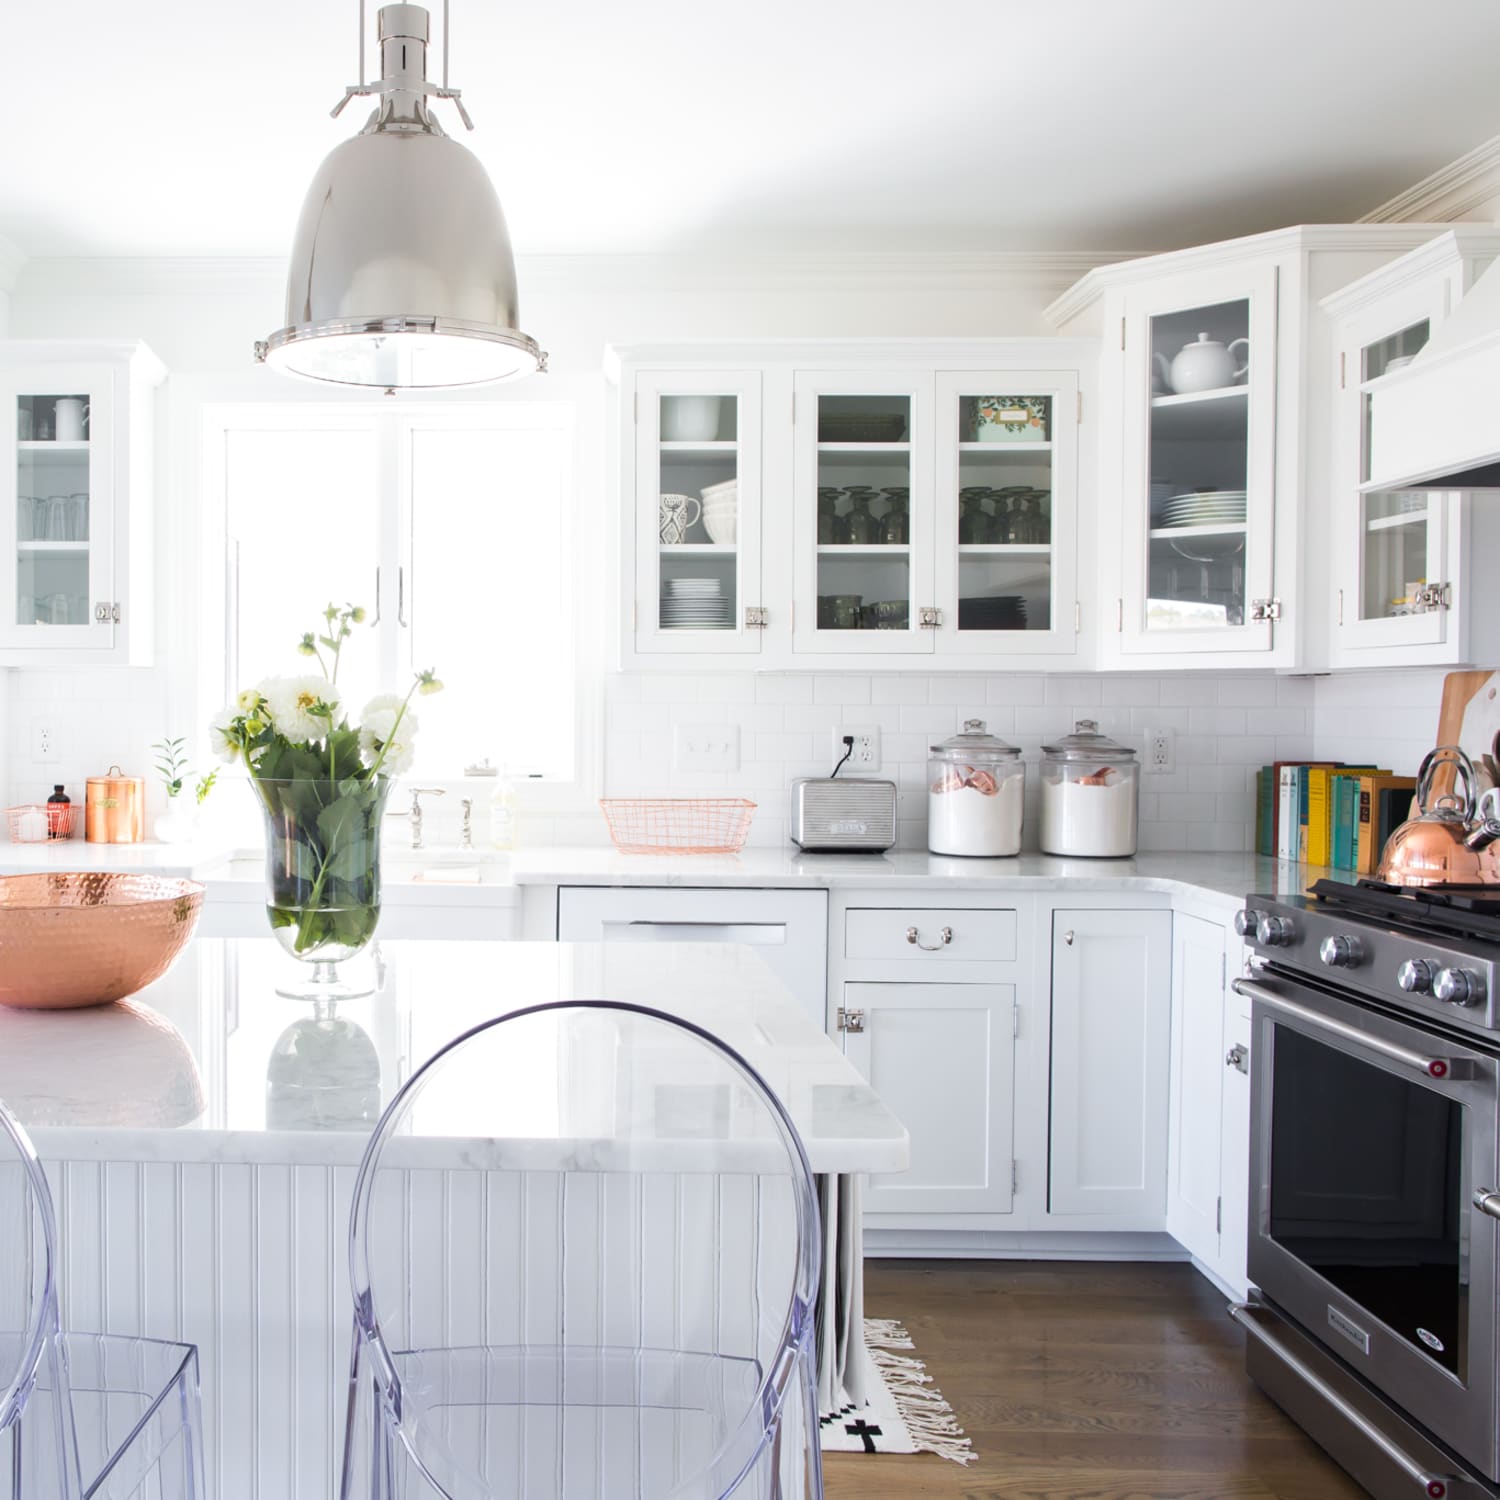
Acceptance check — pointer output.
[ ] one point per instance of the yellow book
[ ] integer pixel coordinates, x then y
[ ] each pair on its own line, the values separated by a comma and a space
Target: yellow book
1319, 815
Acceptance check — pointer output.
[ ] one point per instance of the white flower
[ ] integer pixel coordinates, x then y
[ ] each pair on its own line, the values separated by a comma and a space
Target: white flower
377, 726
291, 701
221, 735
248, 700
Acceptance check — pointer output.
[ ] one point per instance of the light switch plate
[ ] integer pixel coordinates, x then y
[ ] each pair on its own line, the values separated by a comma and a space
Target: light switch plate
706, 747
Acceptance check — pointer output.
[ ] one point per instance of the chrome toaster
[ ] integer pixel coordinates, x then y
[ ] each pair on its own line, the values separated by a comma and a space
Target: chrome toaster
843, 815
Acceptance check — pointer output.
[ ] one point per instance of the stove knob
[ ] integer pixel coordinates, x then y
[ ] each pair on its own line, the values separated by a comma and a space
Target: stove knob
1245, 922
1415, 976
1458, 986
1273, 932
1341, 952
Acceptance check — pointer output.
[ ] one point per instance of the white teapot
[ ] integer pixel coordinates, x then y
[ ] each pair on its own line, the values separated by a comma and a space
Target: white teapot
1203, 365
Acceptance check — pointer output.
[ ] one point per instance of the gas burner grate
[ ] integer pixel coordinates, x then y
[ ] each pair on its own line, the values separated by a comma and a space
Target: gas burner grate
1454, 911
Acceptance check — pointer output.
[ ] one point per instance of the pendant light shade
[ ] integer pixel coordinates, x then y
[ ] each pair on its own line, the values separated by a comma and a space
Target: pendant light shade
402, 275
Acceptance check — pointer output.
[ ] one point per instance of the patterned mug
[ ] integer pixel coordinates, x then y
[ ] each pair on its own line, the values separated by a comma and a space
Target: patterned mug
675, 517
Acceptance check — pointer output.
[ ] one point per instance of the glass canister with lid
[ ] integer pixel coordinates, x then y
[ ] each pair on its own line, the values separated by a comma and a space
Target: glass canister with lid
975, 794
1090, 787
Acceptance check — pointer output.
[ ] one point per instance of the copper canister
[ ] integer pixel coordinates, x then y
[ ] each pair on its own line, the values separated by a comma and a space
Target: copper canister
115, 809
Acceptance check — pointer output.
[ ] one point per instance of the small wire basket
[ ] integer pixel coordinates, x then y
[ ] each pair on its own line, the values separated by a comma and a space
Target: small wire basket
678, 825
36, 822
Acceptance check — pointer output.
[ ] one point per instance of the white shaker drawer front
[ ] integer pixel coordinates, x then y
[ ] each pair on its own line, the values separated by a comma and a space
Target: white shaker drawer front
958, 935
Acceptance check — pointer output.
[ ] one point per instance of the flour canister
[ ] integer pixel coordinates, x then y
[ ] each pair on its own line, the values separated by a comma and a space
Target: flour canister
1090, 787
115, 809
976, 787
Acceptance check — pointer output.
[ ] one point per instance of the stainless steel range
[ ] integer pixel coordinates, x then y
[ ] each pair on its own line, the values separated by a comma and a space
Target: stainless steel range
1375, 1178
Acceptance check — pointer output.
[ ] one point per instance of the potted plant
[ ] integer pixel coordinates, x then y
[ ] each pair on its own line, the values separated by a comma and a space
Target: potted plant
176, 824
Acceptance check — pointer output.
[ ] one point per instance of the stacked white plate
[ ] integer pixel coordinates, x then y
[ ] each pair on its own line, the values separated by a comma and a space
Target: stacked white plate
695, 604
1204, 508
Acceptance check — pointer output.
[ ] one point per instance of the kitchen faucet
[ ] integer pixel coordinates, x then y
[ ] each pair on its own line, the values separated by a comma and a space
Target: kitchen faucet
414, 815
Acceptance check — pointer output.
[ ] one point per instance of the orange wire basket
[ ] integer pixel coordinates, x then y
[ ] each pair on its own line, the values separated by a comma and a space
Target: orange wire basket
36, 822
678, 825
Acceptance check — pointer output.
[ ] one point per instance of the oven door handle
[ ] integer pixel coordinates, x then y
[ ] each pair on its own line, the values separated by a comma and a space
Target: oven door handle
1487, 1202
1435, 1486
1433, 1067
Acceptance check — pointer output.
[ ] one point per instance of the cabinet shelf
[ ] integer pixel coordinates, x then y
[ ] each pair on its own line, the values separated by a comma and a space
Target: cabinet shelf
1002, 450
849, 549
1182, 533
1004, 549
698, 549
49, 445
1201, 415
712, 449
73, 547
1391, 523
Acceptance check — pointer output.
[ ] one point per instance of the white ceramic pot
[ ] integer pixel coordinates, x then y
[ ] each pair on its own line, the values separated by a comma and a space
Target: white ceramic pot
71, 414
690, 419
1204, 365
176, 825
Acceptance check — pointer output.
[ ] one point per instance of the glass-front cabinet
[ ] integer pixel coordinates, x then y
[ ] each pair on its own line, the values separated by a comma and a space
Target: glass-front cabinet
698, 499
77, 502
1400, 563
1199, 471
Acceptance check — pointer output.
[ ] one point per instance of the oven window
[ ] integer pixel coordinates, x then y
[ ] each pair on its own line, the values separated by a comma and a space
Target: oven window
1367, 1190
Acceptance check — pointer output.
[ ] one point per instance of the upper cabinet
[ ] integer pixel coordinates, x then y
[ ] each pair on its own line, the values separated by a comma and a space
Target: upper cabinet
827, 505
1214, 415
1400, 558
76, 500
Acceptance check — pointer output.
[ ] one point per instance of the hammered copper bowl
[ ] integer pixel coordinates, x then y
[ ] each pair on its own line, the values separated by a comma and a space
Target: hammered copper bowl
68, 940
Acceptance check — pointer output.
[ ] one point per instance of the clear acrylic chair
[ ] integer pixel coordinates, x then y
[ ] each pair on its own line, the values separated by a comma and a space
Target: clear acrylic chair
85, 1415
584, 1253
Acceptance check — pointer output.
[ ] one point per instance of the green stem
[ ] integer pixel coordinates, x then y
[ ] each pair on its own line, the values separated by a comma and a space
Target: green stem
396, 724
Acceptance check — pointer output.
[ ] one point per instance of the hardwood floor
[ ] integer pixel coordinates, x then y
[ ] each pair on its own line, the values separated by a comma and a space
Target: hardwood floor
1085, 1382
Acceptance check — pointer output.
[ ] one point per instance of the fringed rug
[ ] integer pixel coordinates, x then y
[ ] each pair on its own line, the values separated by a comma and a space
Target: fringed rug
906, 1413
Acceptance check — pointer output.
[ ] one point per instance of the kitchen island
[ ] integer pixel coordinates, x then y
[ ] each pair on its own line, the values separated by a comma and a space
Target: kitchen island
202, 1141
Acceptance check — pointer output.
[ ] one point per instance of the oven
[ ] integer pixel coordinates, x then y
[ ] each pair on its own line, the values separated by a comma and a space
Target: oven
1373, 1150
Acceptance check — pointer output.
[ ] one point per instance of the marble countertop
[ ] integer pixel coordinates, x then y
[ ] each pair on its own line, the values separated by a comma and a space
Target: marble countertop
212, 1064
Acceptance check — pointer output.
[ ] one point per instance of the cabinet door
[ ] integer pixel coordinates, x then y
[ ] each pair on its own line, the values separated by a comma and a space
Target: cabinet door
862, 491
1198, 486
1007, 451
57, 508
697, 512
1398, 554
1111, 1013
941, 1057
1193, 1133
1234, 1136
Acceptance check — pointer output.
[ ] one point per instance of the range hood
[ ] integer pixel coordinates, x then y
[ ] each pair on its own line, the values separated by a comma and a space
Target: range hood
1435, 424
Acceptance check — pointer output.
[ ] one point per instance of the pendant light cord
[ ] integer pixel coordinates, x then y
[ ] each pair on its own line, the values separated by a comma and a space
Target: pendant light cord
361, 43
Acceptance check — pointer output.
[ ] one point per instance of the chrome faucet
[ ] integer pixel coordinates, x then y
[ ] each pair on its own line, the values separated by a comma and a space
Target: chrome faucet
414, 815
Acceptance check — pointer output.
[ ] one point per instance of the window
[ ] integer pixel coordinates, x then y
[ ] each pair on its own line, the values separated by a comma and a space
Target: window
452, 526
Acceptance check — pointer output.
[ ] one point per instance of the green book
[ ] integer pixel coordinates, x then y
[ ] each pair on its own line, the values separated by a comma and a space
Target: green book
1265, 811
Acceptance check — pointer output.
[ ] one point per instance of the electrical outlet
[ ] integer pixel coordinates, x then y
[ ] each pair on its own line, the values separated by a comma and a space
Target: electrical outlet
706, 747
1158, 752
866, 753
44, 743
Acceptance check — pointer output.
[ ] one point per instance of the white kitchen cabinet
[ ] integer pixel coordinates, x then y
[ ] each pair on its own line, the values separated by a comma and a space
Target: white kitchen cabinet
1208, 476
1400, 559
1111, 1016
1234, 1136
76, 502
941, 1057
901, 503
1195, 1128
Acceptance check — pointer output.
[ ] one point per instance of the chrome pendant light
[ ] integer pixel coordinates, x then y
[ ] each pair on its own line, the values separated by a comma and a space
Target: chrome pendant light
402, 275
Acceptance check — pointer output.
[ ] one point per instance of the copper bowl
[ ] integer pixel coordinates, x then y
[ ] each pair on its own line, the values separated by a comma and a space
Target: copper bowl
69, 940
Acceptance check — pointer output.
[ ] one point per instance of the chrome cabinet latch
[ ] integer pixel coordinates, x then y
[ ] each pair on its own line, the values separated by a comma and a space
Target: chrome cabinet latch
929, 618
1238, 1057
107, 614
757, 617
1434, 596
945, 936
1265, 609
851, 1020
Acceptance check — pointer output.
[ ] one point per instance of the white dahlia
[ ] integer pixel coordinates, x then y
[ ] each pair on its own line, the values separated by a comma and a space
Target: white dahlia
379, 733
301, 708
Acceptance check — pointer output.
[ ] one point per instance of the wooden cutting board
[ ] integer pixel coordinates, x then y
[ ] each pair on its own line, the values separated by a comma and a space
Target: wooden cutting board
1468, 717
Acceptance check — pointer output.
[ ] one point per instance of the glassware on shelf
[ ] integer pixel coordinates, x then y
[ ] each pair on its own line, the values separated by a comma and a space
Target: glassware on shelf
831, 526
976, 521
865, 529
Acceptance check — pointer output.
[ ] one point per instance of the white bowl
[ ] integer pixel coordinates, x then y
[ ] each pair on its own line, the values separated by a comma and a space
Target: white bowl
726, 489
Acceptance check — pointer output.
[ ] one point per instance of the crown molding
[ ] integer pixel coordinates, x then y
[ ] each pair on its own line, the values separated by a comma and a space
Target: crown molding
1448, 250
1447, 194
1299, 239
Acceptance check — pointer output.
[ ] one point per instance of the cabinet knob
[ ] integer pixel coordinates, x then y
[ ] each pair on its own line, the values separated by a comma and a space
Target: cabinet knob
1068, 938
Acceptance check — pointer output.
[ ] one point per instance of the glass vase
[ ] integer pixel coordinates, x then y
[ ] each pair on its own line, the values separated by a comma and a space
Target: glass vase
322, 873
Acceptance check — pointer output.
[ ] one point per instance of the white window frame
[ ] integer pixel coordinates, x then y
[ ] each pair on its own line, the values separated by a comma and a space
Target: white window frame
203, 678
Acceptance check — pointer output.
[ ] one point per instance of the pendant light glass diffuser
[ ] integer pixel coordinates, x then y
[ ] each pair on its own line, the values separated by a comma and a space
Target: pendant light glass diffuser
402, 275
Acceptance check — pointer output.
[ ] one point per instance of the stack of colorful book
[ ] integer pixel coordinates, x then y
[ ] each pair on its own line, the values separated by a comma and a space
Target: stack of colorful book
1328, 813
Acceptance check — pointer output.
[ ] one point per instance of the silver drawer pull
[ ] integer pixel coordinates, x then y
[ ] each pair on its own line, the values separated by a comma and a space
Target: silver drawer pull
1487, 1201
944, 938
1433, 1067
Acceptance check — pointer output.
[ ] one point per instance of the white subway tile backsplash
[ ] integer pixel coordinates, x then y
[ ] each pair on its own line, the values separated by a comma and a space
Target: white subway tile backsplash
1187, 689
788, 687
841, 690
899, 689
1017, 691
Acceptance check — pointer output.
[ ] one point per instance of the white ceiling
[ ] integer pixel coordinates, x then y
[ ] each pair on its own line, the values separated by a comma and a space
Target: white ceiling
191, 127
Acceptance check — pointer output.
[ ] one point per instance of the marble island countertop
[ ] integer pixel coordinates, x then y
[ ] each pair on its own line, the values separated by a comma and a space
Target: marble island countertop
211, 1064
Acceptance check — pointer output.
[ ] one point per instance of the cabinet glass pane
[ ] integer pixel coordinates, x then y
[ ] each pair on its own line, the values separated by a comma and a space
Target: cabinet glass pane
698, 512
52, 509
864, 512
1199, 452
1393, 537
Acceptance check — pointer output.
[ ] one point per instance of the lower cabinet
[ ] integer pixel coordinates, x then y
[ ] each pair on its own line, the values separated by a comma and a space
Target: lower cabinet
942, 1058
1111, 1013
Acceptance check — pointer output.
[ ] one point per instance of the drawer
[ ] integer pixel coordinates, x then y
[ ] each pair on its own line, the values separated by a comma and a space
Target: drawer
975, 936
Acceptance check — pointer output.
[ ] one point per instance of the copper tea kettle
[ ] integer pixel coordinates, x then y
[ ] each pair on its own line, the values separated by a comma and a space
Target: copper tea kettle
1442, 845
